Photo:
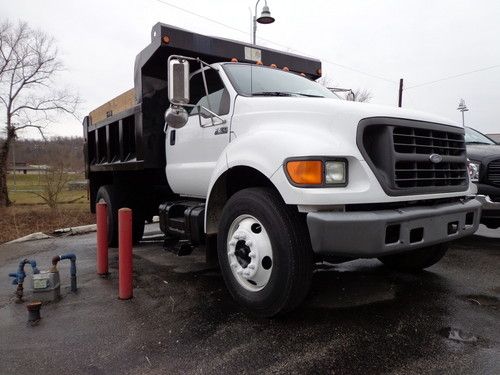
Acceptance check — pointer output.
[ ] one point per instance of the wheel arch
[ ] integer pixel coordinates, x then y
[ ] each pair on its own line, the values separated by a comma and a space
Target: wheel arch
227, 184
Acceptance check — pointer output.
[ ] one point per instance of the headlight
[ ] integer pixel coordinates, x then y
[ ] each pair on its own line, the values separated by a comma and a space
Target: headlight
335, 172
316, 172
473, 167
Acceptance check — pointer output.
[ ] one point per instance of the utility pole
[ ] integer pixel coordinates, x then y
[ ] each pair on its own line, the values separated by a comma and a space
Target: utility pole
400, 96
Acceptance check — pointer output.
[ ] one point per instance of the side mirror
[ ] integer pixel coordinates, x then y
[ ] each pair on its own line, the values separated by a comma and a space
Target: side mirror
176, 117
178, 82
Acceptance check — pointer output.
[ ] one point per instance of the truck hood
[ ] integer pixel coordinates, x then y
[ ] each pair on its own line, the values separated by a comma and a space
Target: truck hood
335, 108
480, 152
266, 131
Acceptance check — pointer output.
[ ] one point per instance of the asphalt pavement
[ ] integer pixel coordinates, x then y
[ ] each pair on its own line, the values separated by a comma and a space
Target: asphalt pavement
360, 318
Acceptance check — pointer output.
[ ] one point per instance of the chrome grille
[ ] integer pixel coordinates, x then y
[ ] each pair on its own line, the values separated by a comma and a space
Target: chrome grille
494, 172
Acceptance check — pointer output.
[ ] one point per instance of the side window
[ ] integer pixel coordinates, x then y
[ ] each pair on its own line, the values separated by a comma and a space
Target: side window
218, 97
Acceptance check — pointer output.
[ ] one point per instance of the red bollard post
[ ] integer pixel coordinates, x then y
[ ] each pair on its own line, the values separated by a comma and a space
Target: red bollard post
125, 288
102, 238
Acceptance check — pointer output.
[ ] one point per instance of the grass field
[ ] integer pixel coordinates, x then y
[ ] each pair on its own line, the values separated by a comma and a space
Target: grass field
29, 213
24, 190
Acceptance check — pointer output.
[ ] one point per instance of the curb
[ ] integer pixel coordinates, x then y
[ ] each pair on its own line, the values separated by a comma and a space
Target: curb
72, 231
30, 237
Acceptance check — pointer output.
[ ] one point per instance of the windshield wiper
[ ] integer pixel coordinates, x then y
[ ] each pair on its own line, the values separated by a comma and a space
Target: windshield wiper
272, 93
284, 93
309, 95
477, 143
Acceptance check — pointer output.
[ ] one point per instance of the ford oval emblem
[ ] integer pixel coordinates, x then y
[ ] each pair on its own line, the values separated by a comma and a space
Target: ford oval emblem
435, 158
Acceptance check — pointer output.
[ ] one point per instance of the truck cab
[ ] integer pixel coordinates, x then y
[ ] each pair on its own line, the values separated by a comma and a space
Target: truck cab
239, 150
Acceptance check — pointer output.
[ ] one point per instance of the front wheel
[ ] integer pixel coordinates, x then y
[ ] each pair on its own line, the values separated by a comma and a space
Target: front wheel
264, 252
415, 260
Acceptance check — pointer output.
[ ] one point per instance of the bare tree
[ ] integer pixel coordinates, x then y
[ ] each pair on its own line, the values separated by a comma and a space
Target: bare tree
360, 95
55, 180
29, 64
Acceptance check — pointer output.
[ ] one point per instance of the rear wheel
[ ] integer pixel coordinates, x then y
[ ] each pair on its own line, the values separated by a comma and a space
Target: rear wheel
415, 260
264, 252
116, 199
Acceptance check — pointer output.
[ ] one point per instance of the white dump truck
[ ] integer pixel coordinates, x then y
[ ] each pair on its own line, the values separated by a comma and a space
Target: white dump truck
241, 152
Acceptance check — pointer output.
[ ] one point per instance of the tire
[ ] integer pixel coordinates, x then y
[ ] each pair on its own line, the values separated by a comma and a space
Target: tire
289, 269
116, 199
415, 260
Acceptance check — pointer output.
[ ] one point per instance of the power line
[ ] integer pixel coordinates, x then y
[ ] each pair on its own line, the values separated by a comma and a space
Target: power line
359, 71
453, 76
270, 41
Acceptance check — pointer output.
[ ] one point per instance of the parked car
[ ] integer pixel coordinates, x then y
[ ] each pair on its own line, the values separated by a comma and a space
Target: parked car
484, 170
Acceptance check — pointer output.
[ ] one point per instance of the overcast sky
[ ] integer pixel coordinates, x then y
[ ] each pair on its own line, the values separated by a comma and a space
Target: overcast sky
419, 40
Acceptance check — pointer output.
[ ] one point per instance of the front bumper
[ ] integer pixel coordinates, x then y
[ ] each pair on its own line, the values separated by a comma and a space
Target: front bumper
369, 234
490, 190
490, 209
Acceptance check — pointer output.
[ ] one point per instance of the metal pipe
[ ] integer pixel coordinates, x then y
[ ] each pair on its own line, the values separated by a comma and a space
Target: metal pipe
20, 275
72, 258
34, 312
255, 22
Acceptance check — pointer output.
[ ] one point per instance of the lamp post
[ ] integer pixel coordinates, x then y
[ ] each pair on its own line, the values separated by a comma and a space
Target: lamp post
462, 107
265, 18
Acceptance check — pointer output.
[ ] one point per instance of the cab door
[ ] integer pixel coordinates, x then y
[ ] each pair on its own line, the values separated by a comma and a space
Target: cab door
193, 150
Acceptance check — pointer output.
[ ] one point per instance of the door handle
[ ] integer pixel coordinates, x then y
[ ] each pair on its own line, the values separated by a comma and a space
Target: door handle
221, 130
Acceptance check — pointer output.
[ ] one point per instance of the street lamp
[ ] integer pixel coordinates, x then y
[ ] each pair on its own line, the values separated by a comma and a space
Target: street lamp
462, 108
265, 18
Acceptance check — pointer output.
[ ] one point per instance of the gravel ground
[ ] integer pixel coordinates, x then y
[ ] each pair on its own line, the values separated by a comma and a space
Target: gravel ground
359, 317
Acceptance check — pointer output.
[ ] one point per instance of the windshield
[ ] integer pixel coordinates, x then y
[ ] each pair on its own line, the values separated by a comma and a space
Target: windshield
473, 136
255, 80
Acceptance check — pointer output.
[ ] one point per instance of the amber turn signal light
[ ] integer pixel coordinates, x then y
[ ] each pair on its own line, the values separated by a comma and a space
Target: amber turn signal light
305, 172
